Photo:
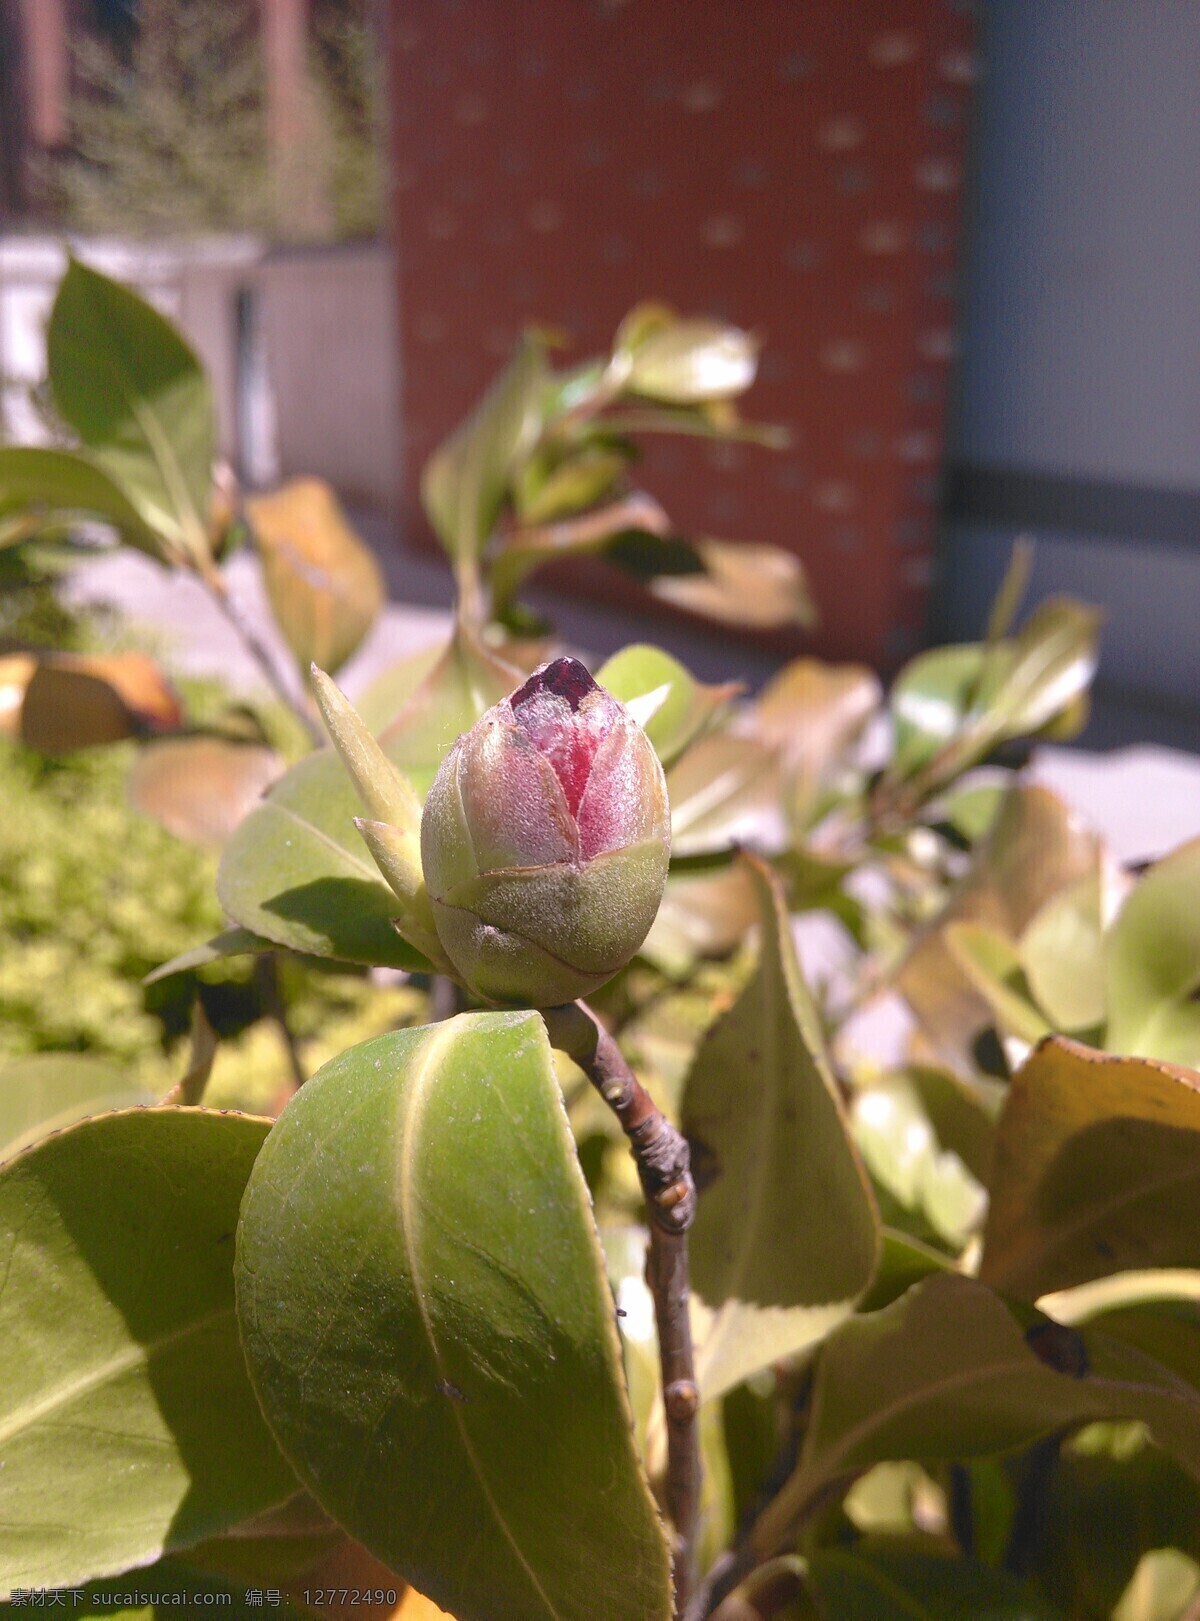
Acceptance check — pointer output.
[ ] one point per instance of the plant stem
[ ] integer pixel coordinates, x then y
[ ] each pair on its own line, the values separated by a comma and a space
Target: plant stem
259, 651
266, 979
664, 1169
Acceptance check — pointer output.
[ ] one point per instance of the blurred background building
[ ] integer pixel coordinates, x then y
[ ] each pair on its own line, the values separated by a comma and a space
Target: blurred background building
968, 233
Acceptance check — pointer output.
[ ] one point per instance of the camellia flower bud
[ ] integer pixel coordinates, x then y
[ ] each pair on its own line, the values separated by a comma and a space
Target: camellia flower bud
545, 841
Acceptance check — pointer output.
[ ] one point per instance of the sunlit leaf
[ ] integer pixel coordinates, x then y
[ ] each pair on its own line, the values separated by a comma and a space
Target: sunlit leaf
1096, 1170
43, 1092
743, 583
992, 964
1153, 963
773, 1160
124, 378
576, 483
703, 914
1062, 954
58, 702
202, 788
467, 1354
723, 793
53, 483
1161, 1588
127, 1424
229, 943
325, 588
668, 702
678, 361
464, 482
814, 712
297, 872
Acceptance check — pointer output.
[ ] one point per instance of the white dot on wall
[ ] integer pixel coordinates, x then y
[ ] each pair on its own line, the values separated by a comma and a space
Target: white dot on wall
883, 236
406, 36
615, 250
834, 495
441, 224
648, 183
841, 134
937, 343
726, 458
430, 327
722, 231
844, 355
470, 107
893, 48
917, 571
701, 95
544, 215
959, 65
801, 255
938, 174
499, 340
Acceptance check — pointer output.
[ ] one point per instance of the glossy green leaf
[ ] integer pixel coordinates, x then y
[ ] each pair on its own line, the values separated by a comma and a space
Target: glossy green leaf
427, 1323
1009, 597
949, 1371
1096, 1170
127, 1424
297, 872
724, 793
877, 1580
135, 393
786, 1238
464, 483
903, 1262
578, 481
65, 482
44, 1092
672, 707
929, 700
323, 584
1153, 963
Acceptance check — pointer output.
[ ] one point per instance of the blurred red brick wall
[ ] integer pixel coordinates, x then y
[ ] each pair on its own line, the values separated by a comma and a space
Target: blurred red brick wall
795, 169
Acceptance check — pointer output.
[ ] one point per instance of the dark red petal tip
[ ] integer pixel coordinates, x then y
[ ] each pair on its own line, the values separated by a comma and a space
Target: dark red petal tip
564, 678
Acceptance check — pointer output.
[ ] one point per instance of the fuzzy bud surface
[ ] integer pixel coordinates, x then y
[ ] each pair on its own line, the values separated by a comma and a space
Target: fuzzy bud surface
545, 841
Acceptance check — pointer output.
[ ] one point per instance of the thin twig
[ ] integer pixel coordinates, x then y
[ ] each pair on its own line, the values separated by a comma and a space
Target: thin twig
261, 653
270, 991
664, 1168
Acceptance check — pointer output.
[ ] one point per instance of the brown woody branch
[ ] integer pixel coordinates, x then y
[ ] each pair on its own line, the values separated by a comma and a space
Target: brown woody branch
664, 1168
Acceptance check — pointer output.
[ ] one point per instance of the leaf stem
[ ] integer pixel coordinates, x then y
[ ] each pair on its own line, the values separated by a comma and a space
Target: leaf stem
257, 648
664, 1169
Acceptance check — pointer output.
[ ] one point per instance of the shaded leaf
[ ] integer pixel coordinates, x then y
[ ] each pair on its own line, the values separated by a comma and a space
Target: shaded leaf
772, 1161
702, 914
464, 482
127, 1424
876, 1580
670, 705
202, 788
1152, 955
578, 481
52, 483
948, 1371
1096, 1170
297, 872
742, 583
469, 1354
127, 382
325, 588
44, 1092
532, 546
